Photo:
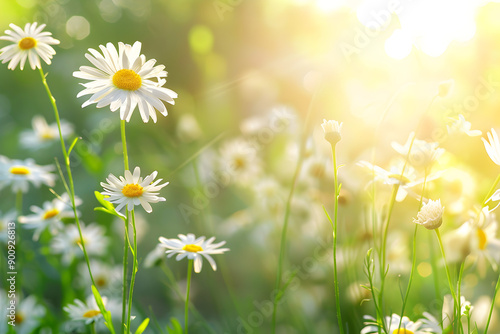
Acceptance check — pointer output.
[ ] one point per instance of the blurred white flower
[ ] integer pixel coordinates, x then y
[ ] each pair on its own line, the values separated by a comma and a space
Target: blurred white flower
392, 325
332, 130
123, 80
460, 125
448, 309
43, 134
20, 173
492, 146
132, 190
28, 314
240, 160
88, 312
30, 43
188, 128
107, 278
69, 245
49, 216
154, 257
193, 248
423, 154
430, 215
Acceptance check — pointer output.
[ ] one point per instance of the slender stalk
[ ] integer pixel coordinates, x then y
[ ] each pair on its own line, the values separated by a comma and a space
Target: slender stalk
68, 170
19, 202
335, 219
134, 271
92, 328
490, 192
186, 307
447, 268
126, 236
287, 215
497, 287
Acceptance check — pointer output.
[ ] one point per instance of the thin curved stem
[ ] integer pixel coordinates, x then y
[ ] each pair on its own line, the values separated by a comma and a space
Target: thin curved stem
186, 307
125, 240
68, 170
134, 272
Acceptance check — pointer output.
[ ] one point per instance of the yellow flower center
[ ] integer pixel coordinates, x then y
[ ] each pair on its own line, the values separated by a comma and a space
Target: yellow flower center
91, 313
19, 170
132, 190
482, 239
402, 331
78, 241
127, 80
51, 213
239, 163
27, 43
18, 319
46, 135
100, 281
192, 248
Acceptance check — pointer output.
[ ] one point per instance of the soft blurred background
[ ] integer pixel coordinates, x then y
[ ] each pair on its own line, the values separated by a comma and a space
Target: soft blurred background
247, 72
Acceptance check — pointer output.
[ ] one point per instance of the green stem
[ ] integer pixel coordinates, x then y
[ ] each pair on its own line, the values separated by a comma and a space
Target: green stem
19, 202
186, 307
92, 328
497, 287
125, 241
277, 285
335, 274
455, 302
68, 170
134, 271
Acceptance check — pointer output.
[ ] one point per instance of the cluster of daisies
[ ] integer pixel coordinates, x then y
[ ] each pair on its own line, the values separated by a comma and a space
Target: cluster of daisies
123, 79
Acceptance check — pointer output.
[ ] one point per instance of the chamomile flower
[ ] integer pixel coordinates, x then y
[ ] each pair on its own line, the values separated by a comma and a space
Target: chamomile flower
88, 312
107, 278
69, 245
27, 317
132, 190
30, 43
423, 154
492, 146
123, 80
392, 324
239, 159
49, 216
193, 248
43, 134
460, 125
332, 131
20, 173
430, 215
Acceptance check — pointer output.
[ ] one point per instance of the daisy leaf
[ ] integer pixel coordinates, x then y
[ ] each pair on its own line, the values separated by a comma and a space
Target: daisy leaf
143, 326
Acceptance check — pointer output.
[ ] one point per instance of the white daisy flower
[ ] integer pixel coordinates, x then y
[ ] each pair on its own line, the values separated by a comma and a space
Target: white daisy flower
5, 219
193, 248
27, 316
154, 257
423, 154
430, 215
42, 133
107, 278
19, 173
49, 216
123, 80
449, 309
392, 324
332, 130
460, 125
88, 312
240, 160
132, 190
30, 43
492, 146
68, 243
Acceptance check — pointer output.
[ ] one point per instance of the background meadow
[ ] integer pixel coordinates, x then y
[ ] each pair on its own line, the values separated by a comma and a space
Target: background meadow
255, 80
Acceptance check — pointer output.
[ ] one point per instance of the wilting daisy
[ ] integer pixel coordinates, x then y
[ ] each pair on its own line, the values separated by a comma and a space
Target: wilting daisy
132, 190
69, 245
42, 133
30, 43
88, 312
393, 326
123, 80
20, 173
430, 215
27, 316
492, 146
49, 216
332, 131
193, 248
